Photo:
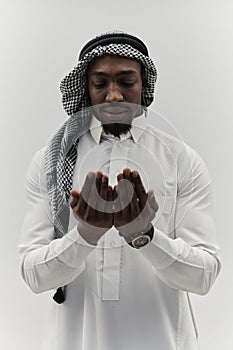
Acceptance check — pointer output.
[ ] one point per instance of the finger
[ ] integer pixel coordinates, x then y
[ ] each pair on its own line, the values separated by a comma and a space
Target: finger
152, 201
85, 192
74, 200
129, 185
99, 175
134, 209
125, 188
104, 187
75, 205
109, 214
110, 194
103, 197
75, 193
94, 191
115, 199
116, 194
139, 189
122, 191
125, 196
86, 189
110, 191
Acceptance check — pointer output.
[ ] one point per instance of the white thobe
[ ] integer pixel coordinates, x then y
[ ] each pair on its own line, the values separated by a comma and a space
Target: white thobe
118, 297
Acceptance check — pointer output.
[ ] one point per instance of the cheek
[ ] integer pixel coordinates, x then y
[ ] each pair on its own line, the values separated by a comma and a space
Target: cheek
135, 96
95, 96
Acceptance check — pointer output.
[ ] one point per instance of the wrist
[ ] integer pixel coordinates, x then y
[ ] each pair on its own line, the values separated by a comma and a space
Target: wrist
141, 238
90, 233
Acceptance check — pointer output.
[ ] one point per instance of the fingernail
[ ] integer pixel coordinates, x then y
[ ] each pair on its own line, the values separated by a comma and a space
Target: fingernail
90, 174
104, 179
99, 174
126, 171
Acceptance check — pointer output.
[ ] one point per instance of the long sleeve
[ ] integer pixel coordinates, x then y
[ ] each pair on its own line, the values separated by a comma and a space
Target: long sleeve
190, 259
47, 263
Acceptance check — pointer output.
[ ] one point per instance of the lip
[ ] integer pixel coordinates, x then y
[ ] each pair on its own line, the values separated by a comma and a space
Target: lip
115, 111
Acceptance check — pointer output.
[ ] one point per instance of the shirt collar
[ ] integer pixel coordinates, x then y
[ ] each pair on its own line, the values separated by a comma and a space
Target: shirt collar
137, 129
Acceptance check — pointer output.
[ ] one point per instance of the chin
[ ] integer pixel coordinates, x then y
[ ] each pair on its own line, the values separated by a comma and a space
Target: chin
116, 129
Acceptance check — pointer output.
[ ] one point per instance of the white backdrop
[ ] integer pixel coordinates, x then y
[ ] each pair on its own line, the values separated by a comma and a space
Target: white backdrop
191, 44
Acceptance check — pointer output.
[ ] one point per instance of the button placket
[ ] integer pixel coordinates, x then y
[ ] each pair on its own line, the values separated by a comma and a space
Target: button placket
112, 241
111, 266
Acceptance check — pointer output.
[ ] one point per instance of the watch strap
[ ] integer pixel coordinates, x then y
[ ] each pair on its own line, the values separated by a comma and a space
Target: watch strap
148, 232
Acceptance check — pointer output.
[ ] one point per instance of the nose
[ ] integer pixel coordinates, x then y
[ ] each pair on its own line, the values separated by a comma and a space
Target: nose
114, 93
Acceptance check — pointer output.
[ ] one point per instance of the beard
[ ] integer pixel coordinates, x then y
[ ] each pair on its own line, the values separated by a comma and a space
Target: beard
116, 129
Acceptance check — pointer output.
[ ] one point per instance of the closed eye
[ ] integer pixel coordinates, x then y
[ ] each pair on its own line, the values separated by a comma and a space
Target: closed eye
100, 85
127, 83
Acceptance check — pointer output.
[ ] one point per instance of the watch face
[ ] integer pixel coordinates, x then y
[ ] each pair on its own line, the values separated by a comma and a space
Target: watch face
140, 241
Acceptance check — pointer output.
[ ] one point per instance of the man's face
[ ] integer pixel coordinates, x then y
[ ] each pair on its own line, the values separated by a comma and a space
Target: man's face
115, 87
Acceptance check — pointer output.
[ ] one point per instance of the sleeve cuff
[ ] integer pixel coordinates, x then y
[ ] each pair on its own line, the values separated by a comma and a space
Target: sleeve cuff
73, 250
160, 251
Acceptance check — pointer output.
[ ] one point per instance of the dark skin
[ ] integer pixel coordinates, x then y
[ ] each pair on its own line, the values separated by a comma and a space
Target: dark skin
140, 208
89, 210
115, 86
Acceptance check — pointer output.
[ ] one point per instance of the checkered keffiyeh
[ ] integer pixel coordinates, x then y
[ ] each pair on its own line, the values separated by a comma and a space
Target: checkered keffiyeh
59, 161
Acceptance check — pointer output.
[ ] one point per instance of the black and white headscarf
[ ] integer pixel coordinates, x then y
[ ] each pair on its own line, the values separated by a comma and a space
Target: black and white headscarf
61, 152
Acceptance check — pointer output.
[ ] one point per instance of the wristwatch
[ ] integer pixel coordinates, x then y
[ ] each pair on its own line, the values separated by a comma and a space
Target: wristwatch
140, 239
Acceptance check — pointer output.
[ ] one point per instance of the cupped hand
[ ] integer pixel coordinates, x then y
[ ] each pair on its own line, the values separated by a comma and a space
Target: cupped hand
98, 207
89, 207
136, 208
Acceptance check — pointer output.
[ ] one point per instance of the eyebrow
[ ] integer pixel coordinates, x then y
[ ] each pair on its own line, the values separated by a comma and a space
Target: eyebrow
123, 72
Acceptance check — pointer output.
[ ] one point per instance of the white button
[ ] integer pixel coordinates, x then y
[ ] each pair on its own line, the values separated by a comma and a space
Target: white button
112, 243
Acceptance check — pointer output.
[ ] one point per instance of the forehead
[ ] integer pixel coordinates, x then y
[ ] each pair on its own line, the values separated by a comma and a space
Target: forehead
113, 64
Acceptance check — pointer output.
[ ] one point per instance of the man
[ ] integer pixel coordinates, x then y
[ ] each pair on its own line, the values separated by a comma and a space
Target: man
137, 234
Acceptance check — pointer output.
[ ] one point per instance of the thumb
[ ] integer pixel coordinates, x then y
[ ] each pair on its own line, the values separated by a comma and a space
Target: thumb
75, 195
152, 201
